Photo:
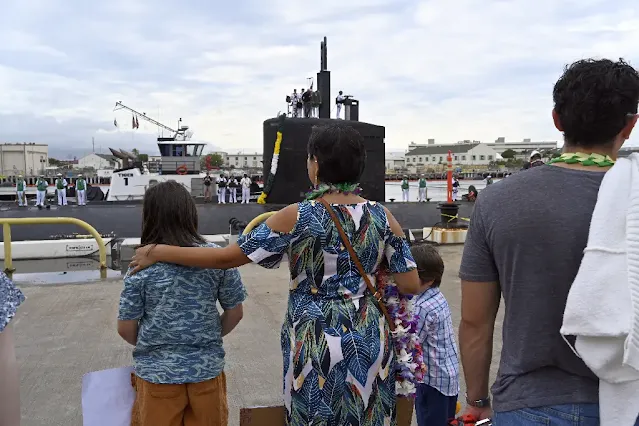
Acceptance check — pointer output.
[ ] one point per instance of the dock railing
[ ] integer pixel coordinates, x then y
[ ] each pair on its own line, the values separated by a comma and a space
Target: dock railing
6, 229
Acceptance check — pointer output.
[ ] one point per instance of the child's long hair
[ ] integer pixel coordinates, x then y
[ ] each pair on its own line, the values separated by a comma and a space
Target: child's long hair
169, 216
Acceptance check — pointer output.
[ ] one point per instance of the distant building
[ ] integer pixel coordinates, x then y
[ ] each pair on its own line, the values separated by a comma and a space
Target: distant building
463, 154
394, 162
243, 160
522, 148
98, 161
28, 159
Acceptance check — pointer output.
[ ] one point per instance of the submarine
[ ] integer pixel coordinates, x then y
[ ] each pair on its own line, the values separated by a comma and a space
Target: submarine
285, 181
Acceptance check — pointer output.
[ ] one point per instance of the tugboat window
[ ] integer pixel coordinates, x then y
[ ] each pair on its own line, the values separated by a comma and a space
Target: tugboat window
178, 150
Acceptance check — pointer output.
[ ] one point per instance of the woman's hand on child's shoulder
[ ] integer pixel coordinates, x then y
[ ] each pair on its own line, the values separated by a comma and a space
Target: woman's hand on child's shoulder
143, 258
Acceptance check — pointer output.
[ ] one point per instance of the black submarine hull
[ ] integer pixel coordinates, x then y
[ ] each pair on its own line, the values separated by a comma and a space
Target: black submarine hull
125, 219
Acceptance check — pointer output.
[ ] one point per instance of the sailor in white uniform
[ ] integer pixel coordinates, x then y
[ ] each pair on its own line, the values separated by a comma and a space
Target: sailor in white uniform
245, 183
61, 186
41, 195
81, 190
20, 188
295, 98
339, 101
232, 185
221, 189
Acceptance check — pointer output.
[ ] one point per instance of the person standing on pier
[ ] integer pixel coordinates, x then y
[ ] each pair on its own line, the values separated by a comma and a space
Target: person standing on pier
541, 379
339, 361
422, 189
221, 189
405, 188
61, 186
20, 188
232, 189
81, 190
41, 194
208, 181
455, 188
245, 183
169, 313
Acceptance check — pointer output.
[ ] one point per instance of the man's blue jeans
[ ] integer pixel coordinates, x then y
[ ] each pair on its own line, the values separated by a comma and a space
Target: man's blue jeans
555, 415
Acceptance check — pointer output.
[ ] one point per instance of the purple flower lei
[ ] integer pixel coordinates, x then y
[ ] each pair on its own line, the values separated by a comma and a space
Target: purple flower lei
410, 367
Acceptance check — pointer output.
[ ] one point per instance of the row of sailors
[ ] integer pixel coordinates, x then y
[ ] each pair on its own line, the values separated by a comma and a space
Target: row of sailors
61, 188
228, 185
305, 104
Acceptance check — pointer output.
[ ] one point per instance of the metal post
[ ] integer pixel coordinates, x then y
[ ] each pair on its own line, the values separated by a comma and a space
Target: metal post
449, 178
6, 227
8, 262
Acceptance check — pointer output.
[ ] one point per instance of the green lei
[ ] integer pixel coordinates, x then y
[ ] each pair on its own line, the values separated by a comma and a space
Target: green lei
585, 159
323, 188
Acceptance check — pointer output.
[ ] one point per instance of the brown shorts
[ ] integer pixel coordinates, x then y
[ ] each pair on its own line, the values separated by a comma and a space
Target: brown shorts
190, 404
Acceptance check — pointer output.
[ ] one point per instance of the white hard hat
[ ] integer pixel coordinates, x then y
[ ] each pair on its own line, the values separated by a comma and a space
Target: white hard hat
59, 174
79, 174
535, 152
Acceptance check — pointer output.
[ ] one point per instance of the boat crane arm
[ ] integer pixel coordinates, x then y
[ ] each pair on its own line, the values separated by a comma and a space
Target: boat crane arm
119, 105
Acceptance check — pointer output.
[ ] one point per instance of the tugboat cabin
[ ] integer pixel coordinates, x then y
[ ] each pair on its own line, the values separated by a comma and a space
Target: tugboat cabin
179, 157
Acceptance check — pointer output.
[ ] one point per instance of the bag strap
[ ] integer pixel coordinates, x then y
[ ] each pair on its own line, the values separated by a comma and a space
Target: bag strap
345, 241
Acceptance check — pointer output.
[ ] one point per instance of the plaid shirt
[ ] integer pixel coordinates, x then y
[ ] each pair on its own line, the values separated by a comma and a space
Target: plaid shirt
437, 336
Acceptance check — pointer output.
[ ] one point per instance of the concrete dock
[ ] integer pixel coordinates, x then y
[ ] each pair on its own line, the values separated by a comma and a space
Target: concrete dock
65, 331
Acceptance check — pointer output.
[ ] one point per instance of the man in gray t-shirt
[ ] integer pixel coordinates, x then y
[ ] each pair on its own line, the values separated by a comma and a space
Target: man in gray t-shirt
525, 242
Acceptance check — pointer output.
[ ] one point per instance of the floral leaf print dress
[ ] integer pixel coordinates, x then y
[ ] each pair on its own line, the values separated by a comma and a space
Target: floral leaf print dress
338, 356
10, 298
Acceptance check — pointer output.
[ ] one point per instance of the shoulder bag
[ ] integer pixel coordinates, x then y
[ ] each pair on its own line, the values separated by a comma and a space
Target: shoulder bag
351, 252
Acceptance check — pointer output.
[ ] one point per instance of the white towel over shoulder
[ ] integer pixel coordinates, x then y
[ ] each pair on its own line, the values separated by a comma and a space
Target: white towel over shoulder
602, 309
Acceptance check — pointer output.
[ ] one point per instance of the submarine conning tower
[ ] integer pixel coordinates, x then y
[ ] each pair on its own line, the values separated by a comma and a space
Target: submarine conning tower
290, 182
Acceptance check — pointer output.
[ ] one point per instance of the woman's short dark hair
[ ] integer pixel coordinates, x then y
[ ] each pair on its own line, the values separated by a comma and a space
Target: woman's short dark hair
430, 265
340, 153
593, 100
169, 216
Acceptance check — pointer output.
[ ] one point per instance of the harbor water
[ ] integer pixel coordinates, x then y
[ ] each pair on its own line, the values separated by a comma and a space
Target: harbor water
436, 189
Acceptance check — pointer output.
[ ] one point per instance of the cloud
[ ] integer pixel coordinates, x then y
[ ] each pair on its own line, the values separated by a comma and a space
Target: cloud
468, 69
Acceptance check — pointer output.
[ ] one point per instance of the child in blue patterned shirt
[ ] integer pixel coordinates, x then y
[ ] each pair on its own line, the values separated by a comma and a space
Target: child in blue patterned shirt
436, 400
169, 313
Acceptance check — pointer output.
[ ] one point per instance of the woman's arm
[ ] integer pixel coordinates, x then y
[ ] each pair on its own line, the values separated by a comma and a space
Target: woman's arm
228, 257
407, 282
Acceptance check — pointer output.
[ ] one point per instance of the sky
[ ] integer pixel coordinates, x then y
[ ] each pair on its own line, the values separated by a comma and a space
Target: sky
424, 69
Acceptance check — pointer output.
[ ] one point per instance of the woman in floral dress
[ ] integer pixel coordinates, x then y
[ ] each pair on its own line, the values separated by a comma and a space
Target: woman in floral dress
338, 356
10, 298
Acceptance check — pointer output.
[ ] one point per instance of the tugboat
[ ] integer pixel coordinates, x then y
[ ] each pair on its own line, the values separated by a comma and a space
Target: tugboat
179, 161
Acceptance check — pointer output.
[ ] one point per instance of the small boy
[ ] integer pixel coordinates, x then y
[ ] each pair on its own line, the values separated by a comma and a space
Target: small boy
436, 398
169, 313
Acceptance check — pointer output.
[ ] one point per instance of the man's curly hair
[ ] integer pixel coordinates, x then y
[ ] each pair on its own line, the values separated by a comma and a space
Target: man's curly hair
594, 99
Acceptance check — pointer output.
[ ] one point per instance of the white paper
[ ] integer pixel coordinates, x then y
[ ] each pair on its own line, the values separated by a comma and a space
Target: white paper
107, 397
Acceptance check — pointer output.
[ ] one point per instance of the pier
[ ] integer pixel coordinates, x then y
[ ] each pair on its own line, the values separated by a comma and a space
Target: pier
65, 331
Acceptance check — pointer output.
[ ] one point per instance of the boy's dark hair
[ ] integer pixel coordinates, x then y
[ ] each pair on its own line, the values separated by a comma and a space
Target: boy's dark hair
594, 99
430, 265
169, 216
